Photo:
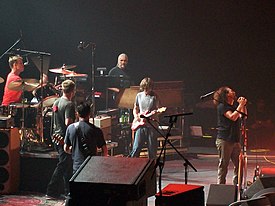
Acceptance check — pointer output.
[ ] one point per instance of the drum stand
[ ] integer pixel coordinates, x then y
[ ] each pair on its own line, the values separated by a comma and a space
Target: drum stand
27, 136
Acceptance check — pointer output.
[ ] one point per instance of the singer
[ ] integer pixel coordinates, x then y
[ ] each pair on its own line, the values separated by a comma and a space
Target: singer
17, 66
146, 100
229, 110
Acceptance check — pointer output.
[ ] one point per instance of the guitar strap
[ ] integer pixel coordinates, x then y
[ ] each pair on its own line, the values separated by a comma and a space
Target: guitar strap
82, 140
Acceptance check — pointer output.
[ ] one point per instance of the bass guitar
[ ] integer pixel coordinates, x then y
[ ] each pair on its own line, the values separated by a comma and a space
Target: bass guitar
138, 122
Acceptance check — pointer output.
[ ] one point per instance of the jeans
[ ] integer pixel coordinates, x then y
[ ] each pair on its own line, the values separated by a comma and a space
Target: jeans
227, 150
61, 174
142, 135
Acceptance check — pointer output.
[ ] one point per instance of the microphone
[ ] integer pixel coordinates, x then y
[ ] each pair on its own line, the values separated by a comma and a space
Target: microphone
80, 46
207, 95
27, 62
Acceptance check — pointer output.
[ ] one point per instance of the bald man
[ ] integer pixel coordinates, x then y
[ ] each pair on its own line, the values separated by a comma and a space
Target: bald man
121, 68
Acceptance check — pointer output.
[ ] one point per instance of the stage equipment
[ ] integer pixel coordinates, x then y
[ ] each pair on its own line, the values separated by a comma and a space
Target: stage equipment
64, 69
181, 194
260, 184
1, 80
9, 160
112, 180
221, 195
74, 74
170, 94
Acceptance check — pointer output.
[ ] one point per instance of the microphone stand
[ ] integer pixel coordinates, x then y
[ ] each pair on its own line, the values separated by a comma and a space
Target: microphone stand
159, 163
93, 78
17, 41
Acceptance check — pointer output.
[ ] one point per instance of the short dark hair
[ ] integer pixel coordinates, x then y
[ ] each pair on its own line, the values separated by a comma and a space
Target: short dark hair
83, 109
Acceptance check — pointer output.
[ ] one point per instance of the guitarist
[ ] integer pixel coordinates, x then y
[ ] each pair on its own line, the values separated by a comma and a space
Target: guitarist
63, 116
83, 138
146, 101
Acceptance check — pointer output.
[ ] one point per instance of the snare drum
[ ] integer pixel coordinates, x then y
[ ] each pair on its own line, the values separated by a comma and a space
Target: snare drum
50, 94
16, 110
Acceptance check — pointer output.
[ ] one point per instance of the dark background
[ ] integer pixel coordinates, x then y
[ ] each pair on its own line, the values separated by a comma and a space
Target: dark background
206, 44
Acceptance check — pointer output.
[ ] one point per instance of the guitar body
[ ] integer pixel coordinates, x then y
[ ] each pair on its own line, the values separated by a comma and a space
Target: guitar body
138, 122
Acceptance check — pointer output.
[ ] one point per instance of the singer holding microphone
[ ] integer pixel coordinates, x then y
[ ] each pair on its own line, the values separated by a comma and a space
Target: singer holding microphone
229, 113
146, 103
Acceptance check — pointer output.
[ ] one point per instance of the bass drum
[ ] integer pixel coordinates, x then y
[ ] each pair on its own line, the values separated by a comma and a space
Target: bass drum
30, 113
50, 94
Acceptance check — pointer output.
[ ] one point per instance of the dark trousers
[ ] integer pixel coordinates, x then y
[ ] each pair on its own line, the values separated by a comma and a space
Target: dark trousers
61, 174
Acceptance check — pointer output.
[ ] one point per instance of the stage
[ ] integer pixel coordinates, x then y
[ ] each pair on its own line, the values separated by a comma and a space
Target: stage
202, 158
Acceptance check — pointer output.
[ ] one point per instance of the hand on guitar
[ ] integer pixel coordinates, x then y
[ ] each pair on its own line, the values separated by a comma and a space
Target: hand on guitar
58, 139
138, 121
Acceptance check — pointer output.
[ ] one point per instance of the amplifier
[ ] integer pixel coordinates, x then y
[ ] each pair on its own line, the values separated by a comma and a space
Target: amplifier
6, 122
101, 121
113, 113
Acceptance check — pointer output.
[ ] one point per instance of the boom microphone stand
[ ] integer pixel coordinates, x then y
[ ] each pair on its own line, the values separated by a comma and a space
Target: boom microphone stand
159, 163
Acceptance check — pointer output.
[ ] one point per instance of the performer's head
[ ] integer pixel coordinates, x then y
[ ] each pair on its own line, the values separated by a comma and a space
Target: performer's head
224, 95
83, 110
68, 87
122, 61
16, 64
147, 85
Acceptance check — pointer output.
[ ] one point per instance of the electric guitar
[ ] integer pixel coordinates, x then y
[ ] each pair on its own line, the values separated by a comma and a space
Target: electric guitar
57, 139
138, 122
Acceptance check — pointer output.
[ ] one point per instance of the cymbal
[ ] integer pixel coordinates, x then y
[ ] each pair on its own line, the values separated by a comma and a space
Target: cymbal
1, 80
21, 85
63, 70
74, 74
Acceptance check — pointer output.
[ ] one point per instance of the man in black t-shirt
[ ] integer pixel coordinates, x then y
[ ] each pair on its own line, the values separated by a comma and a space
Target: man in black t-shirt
83, 138
228, 144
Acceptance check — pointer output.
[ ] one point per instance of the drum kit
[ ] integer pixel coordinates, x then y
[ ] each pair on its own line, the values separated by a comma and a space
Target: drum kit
34, 118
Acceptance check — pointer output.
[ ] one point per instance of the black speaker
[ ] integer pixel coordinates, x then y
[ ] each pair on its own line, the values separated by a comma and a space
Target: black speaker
221, 195
9, 160
112, 181
258, 185
180, 194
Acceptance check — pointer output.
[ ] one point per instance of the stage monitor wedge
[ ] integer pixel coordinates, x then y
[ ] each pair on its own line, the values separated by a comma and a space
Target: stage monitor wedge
116, 180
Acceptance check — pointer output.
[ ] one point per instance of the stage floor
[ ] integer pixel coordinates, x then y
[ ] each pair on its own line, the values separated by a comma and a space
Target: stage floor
205, 160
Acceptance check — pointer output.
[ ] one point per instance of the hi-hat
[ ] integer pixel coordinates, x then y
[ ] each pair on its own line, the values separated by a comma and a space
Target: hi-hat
74, 74
63, 70
21, 85
1, 80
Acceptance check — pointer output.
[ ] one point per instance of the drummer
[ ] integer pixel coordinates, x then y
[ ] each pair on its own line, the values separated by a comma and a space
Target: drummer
17, 66
15, 95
